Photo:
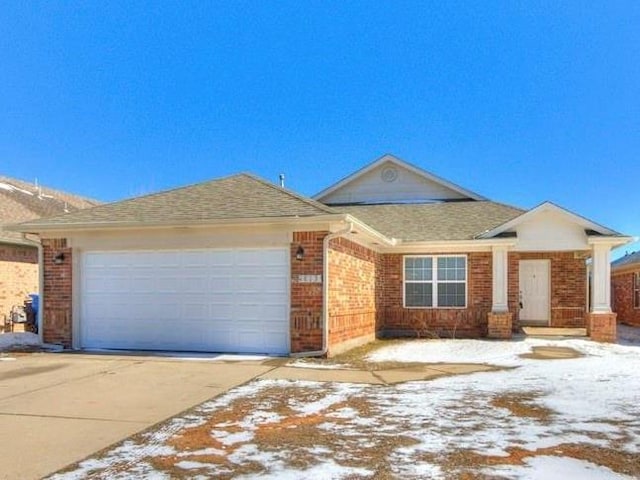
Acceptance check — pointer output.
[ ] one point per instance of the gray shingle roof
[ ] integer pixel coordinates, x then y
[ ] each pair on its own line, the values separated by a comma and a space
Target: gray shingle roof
433, 221
628, 259
241, 196
23, 201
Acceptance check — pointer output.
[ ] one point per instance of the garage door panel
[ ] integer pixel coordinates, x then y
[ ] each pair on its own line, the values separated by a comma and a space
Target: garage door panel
206, 300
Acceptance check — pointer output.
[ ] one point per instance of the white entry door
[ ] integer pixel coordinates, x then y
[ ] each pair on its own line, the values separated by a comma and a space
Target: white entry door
534, 291
231, 300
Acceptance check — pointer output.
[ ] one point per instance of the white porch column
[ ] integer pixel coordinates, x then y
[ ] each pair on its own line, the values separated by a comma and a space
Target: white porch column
601, 279
500, 281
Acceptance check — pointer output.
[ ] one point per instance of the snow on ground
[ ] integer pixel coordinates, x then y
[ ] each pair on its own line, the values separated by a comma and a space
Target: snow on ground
557, 468
301, 429
318, 365
21, 339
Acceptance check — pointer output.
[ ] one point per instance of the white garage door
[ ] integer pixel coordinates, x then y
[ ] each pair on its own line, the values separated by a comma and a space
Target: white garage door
233, 300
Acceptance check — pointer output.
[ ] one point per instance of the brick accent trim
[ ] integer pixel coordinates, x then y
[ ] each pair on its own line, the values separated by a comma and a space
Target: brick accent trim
306, 292
352, 295
499, 325
602, 327
57, 313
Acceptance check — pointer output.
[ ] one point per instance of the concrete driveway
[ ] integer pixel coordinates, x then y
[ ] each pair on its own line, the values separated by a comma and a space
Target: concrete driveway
57, 408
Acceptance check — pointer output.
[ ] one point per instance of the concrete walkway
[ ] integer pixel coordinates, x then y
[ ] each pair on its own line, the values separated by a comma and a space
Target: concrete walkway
390, 376
56, 409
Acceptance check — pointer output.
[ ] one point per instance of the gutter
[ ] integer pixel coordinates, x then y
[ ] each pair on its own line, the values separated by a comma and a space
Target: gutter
38, 245
325, 294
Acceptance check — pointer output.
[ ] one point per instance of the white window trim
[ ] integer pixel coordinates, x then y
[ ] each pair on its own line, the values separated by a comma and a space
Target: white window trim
635, 287
434, 281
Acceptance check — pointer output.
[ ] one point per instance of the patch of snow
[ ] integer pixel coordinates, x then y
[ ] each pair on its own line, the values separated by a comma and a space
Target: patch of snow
227, 438
318, 366
341, 393
555, 468
7, 359
204, 451
13, 188
190, 465
19, 339
327, 470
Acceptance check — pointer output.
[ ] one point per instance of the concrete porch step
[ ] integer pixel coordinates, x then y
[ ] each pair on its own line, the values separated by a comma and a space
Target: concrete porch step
554, 332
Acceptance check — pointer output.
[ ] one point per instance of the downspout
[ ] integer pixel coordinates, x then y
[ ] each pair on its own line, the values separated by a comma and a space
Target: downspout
38, 245
325, 294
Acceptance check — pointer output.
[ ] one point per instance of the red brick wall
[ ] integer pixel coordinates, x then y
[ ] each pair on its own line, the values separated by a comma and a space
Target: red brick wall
18, 275
568, 286
622, 296
396, 320
57, 293
352, 293
306, 293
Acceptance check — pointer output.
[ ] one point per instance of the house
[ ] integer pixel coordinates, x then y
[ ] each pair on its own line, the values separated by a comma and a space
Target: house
21, 201
625, 285
241, 265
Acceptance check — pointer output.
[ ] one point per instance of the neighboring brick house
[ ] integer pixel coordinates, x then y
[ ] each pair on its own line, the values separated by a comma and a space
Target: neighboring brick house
22, 201
241, 265
625, 286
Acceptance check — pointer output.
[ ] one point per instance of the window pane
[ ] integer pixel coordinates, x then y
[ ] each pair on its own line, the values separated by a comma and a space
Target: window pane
418, 268
418, 294
451, 294
451, 268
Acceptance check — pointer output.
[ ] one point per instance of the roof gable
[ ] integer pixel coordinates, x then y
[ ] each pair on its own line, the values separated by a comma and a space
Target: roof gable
391, 180
550, 212
241, 196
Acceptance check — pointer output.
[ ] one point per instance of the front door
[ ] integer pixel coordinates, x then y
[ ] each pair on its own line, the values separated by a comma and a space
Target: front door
534, 291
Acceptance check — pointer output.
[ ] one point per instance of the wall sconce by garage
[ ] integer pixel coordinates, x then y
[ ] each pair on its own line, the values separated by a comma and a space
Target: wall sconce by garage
300, 253
59, 258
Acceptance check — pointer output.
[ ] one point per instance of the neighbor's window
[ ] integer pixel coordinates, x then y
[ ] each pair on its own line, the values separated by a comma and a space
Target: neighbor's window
435, 281
636, 290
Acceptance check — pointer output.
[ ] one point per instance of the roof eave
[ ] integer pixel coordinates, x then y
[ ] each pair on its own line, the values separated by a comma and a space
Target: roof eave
450, 245
613, 241
80, 226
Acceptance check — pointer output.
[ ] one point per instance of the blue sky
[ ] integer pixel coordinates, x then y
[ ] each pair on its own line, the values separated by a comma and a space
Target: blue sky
519, 101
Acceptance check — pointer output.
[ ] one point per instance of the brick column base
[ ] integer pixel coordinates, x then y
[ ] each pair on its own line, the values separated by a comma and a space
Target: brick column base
499, 325
602, 327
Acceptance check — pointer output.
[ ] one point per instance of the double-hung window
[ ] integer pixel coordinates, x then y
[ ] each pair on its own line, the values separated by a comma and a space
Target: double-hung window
435, 281
636, 290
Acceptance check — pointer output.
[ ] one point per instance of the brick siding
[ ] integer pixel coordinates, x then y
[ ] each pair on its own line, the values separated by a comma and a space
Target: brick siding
352, 294
57, 293
568, 286
306, 296
622, 296
18, 275
469, 322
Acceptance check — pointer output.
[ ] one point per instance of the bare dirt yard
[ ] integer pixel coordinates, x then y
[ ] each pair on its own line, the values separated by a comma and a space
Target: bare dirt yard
568, 412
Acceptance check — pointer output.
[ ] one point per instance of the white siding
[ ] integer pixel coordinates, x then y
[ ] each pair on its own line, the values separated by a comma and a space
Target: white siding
407, 186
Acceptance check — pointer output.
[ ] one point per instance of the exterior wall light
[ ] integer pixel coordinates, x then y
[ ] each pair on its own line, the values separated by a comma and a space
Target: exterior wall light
300, 253
59, 258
